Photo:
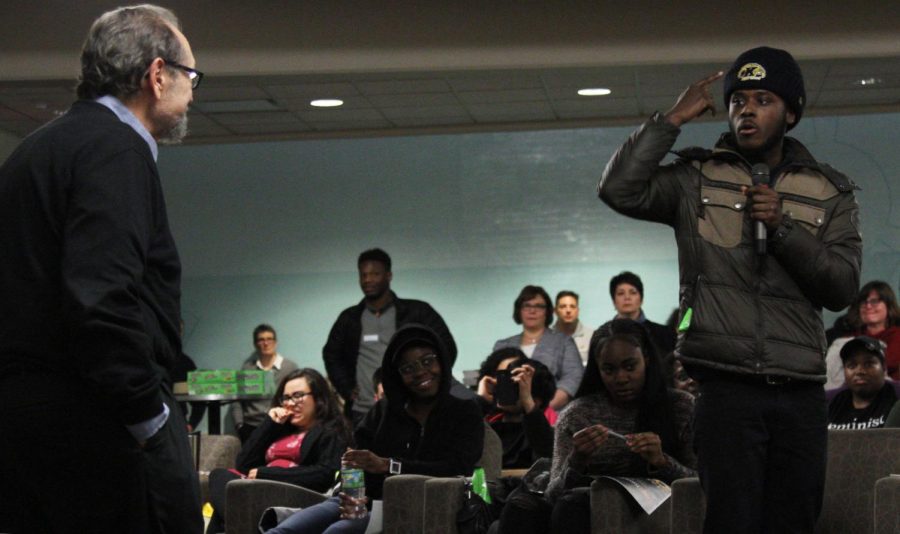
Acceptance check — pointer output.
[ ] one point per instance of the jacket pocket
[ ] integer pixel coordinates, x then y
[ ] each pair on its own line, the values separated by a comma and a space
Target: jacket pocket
810, 217
721, 221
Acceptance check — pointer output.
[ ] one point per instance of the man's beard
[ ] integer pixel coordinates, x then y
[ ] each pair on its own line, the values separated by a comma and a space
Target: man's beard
175, 133
758, 154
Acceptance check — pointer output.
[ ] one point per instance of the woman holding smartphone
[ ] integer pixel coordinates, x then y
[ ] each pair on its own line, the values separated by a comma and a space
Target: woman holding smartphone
514, 391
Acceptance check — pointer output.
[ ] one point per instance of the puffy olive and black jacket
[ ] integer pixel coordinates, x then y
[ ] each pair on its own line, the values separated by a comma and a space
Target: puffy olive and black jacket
741, 312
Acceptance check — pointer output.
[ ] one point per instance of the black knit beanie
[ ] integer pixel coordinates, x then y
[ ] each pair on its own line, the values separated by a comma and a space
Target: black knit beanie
771, 69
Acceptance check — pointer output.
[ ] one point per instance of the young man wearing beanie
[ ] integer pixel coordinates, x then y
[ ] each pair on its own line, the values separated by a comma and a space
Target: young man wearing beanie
867, 398
758, 259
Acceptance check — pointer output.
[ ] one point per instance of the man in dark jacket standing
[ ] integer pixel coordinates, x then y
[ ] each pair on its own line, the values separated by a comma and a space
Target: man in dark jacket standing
359, 337
759, 258
91, 438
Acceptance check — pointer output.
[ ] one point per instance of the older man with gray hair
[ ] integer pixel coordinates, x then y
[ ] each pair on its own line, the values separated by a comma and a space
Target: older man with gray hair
91, 438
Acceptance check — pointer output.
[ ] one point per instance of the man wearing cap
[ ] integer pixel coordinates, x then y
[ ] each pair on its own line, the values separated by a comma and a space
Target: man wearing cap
758, 260
867, 398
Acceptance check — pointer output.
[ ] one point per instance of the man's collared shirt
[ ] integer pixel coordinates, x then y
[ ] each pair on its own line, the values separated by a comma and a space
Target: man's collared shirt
378, 327
279, 360
144, 430
125, 115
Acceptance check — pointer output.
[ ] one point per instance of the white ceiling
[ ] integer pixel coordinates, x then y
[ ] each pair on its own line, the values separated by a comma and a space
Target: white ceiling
456, 67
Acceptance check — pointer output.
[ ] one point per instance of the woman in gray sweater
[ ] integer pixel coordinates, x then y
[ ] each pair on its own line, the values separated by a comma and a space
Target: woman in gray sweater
624, 421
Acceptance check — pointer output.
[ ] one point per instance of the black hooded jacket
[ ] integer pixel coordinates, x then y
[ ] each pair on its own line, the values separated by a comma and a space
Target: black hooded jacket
452, 439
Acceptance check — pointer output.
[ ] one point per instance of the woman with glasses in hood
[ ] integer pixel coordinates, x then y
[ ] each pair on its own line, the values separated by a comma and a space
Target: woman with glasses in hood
417, 428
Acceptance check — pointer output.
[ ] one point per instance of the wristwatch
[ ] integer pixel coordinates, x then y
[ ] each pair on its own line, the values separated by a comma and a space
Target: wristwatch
394, 466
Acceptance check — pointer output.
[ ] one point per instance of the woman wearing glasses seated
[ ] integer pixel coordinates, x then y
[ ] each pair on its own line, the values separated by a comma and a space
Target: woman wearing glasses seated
301, 442
532, 310
876, 314
418, 428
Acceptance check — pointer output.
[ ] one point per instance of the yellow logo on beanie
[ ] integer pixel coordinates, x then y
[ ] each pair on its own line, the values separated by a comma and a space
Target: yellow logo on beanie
751, 71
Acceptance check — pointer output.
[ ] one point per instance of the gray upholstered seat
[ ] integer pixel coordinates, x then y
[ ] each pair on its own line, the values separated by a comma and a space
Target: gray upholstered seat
216, 451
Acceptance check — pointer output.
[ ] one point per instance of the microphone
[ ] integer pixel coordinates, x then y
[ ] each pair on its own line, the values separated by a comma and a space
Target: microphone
760, 175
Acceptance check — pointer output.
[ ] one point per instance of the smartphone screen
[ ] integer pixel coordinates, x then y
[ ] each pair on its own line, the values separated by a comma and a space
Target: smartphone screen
507, 392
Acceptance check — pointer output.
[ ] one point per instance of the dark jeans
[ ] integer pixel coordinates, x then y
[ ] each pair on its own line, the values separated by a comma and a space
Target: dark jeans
68, 465
761, 454
527, 513
218, 479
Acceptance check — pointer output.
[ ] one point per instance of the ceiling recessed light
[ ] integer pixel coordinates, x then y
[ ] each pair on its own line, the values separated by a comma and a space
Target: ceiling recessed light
327, 103
868, 81
594, 91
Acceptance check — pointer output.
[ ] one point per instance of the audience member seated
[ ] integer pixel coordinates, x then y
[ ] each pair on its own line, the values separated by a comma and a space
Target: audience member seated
627, 292
300, 441
524, 431
568, 323
250, 414
532, 310
418, 428
679, 378
867, 398
873, 313
876, 314
623, 391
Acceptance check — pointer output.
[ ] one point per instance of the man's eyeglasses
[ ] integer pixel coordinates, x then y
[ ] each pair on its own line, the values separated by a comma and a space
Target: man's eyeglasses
870, 302
265, 340
294, 397
194, 74
425, 362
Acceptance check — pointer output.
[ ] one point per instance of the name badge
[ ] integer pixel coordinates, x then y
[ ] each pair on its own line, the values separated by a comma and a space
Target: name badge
370, 338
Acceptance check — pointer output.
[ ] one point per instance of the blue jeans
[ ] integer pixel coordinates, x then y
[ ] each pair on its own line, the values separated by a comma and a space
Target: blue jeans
323, 518
761, 454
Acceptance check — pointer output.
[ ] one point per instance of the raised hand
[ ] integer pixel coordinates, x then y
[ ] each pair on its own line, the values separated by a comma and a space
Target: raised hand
694, 101
765, 205
523, 376
486, 388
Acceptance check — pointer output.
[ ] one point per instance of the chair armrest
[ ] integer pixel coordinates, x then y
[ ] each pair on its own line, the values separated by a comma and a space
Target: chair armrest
516, 473
887, 505
688, 506
246, 500
404, 503
613, 510
443, 500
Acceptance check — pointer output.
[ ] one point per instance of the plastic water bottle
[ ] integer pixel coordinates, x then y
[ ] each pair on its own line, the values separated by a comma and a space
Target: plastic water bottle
353, 485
